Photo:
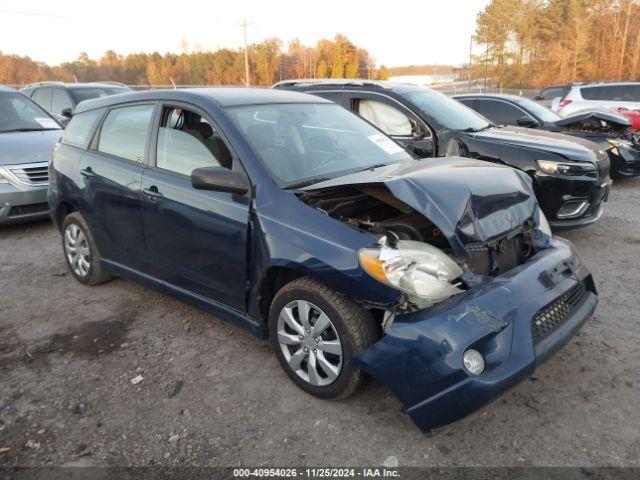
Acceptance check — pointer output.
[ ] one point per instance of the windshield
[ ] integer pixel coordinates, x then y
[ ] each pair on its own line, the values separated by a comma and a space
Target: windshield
446, 111
81, 94
19, 114
308, 143
543, 113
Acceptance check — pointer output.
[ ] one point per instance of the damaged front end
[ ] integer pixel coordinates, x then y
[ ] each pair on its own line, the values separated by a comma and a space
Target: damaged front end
472, 255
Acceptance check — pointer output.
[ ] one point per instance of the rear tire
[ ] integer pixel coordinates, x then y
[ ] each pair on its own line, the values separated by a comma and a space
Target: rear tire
316, 333
80, 251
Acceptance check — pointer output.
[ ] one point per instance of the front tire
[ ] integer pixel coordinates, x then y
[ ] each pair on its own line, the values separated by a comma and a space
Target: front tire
315, 333
80, 251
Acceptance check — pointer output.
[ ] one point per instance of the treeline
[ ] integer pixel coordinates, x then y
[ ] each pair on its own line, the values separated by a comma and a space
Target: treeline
420, 70
269, 62
533, 43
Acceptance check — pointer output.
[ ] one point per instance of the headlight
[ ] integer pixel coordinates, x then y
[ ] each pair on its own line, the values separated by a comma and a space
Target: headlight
543, 224
567, 168
620, 143
416, 268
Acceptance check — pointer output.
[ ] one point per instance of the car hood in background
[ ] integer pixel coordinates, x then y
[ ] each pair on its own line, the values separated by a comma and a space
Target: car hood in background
569, 147
27, 147
617, 123
470, 201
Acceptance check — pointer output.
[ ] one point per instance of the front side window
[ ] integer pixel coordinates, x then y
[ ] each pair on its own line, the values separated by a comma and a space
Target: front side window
79, 130
124, 132
387, 118
499, 112
543, 113
552, 93
18, 113
186, 141
60, 100
446, 111
307, 143
42, 96
81, 94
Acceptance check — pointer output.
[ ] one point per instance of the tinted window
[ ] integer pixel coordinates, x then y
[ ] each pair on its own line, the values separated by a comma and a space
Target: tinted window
543, 113
60, 100
300, 143
42, 96
628, 93
124, 132
187, 141
78, 132
446, 111
387, 118
17, 112
498, 111
551, 93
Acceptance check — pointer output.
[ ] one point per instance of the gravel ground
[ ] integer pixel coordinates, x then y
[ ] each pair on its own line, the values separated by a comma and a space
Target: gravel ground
68, 354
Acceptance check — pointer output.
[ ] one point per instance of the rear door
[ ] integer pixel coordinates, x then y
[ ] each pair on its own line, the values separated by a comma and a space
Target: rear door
112, 171
196, 239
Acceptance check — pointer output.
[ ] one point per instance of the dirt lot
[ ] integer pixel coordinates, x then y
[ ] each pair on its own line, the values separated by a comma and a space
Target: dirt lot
68, 354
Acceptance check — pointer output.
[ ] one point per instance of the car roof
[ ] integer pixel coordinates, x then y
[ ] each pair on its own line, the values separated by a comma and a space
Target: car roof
4, 88
347, 83
222, 96
499, 96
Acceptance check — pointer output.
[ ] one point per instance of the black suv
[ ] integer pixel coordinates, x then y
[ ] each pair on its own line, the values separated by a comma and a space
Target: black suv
61, 98
571, 175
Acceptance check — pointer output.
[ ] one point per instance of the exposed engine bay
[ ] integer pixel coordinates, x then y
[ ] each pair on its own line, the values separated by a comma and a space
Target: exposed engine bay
595, 122
374, 209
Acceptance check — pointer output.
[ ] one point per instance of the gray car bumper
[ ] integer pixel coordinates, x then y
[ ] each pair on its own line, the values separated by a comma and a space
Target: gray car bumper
18, 205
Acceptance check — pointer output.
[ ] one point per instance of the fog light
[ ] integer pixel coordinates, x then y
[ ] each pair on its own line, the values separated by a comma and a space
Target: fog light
572, 209
473, 362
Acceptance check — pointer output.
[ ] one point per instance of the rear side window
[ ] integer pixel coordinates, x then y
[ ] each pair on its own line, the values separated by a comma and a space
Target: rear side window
552, 93
124, 132
628, 93
78, 132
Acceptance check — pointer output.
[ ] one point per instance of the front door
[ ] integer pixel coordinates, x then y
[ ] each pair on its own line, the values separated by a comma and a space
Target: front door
196, 239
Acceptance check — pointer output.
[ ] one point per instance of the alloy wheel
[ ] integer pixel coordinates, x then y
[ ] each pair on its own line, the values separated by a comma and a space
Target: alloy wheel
77, 250
310, 343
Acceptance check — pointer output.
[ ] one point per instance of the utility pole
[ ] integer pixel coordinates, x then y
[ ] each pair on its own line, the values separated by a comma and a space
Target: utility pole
246, 53
470, 51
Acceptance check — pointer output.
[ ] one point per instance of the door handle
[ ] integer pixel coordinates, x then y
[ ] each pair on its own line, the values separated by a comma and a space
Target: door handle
87, 172
152, 192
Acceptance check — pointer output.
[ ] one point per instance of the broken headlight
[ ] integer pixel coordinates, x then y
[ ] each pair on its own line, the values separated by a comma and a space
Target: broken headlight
418, 269
567, 168
620, 143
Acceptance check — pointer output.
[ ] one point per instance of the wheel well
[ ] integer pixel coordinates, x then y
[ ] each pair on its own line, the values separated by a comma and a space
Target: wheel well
62, 211
274, 280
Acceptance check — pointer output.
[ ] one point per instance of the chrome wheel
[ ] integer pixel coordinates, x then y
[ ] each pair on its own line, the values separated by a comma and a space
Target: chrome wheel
77, 249
310, 343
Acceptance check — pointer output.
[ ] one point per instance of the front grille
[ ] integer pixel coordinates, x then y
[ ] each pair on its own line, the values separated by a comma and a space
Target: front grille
20, 210
32, 173
554, 314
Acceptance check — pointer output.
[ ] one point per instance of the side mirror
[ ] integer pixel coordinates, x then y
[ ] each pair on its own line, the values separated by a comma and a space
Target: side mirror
67, 112
61, 119
220, 180
422, 147
527, 121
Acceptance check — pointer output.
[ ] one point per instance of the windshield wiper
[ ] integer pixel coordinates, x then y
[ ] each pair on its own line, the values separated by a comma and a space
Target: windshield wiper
306, 183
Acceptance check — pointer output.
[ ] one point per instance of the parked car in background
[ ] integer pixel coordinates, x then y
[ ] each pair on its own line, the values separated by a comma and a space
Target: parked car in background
290, 216
546, 96
27, 136
61, 98
608, 130
597, 96
571, 176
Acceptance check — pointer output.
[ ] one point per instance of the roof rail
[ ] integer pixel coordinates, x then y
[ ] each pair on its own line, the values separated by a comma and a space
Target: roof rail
52, 82
109, 82
327, 81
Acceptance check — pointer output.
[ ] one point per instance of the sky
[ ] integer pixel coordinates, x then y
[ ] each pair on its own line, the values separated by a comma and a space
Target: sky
401, 32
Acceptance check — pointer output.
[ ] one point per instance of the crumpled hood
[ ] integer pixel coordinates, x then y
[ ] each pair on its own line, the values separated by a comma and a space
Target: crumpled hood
572, 148
27, 147
470, 201
617, 123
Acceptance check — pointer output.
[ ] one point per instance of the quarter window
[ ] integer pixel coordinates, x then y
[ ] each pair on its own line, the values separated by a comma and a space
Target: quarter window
387, 118
125, 130
187, 141
78, 132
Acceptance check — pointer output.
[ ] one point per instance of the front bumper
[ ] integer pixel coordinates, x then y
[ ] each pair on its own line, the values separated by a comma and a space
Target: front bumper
625, 162
420, 358
22, 205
